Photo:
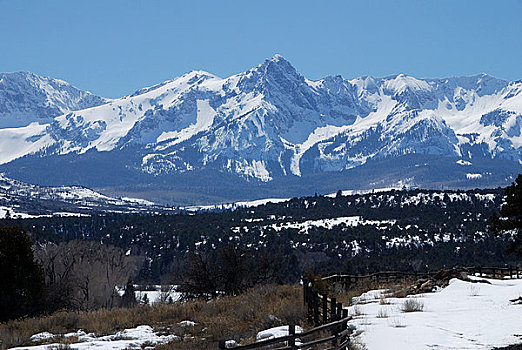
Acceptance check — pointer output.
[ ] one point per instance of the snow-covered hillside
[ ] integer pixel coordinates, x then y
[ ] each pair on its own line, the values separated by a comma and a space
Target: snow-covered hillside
271, 122
23, 200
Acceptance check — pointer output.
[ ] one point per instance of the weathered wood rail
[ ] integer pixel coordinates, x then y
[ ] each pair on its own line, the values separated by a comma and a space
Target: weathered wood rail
494, 272
391, 276
381, 277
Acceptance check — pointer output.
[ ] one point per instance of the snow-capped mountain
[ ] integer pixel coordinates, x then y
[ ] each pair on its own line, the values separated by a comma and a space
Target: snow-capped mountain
26, 98
22, 200
271, 122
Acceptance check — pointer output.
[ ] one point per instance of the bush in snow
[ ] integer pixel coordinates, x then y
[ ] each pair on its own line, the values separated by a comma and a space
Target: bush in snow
412, 305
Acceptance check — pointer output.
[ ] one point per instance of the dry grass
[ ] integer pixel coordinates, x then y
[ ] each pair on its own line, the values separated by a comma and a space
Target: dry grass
236, 318
473, 290
382, 313
412, 305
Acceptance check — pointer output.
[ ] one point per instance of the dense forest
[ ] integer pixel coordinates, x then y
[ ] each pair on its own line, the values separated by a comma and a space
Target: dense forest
409, 230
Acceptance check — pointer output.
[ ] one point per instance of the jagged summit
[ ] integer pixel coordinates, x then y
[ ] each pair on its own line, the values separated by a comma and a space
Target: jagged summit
277, 59
275, 72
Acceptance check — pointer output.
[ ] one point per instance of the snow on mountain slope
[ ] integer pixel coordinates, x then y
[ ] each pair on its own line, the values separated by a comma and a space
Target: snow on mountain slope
26, 98
270, 121
18, 142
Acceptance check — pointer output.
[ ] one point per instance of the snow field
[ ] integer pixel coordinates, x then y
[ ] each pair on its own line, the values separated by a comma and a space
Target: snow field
463, 315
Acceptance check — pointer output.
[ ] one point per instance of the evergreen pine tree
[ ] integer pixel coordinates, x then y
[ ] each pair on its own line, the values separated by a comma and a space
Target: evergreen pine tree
21, 277
511, 216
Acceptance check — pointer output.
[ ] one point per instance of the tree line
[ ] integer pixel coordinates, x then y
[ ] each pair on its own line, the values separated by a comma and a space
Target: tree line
76, 263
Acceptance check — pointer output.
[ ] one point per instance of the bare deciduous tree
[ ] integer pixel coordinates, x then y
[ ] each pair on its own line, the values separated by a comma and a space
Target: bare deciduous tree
84, 274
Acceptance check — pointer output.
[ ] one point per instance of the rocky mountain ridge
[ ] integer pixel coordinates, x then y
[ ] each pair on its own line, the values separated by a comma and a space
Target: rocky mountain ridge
272, 123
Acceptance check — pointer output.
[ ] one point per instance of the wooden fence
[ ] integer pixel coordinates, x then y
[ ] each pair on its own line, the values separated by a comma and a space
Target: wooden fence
329, 317
494, 272
336, 333
384, 276
392, 276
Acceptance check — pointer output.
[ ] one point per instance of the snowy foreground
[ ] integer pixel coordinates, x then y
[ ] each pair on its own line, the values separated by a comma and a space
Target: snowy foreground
463, 315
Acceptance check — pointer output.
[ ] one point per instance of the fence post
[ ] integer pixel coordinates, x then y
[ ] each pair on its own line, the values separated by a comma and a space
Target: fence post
291, 332
339, 311
333, 311
325, 309
316, 309
344, 325
305, 291
310, 300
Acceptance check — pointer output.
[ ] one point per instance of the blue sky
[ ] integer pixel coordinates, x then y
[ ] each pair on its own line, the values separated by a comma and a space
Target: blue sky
115, 47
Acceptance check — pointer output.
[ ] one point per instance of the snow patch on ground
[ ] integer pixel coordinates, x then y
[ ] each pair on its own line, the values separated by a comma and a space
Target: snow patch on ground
276, 332
132, 338
473, 176
463, 162
329, 223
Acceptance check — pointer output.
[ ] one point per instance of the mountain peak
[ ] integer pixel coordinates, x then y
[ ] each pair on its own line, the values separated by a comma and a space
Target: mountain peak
278, 58
278, 67
199, 74
39, 99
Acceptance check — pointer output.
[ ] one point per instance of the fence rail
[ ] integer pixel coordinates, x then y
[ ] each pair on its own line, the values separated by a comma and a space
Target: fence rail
390, 276
494, 272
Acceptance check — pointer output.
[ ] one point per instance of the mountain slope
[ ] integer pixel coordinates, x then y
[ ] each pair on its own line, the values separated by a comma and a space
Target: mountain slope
271, 123
23, 200
26, 98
